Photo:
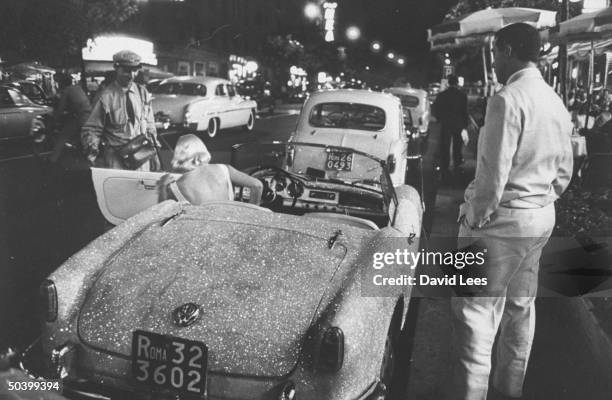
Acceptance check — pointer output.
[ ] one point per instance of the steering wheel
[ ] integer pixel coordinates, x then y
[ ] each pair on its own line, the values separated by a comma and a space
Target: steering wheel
269, 195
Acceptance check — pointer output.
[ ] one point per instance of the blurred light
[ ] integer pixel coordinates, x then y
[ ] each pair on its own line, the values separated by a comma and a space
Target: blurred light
401, 61
447, 61
367, 67
312, 11
390, 56
575, 73
353, 33
329, 36
251, 67
376, 46
321, 77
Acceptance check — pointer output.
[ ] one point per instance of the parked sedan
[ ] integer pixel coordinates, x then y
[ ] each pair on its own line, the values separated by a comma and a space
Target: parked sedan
229, 300
202, 104
368, 121
20, 117
416, 106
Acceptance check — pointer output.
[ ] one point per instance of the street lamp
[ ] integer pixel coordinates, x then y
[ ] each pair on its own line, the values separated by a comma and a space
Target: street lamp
401, 61
353, 33
376, 47
312, 11
390, 55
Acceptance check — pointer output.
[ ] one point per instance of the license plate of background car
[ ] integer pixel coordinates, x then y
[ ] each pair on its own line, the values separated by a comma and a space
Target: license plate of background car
339, 161
171, 364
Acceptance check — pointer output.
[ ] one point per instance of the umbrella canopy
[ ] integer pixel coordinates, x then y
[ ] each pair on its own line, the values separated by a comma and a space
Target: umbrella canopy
489, 21
594, 25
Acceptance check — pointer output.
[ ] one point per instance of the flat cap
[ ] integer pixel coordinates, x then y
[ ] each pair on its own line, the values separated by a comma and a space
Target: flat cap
126, 58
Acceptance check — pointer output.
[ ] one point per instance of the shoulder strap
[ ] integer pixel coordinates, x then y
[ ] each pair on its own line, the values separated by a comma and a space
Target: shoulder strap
176, 192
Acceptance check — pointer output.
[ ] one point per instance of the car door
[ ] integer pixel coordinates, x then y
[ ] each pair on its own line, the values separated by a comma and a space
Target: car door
122, 194
240, 113
16, 117
222, 106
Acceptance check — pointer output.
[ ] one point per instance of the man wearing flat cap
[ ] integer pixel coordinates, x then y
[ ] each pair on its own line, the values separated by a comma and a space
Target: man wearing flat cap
120, 114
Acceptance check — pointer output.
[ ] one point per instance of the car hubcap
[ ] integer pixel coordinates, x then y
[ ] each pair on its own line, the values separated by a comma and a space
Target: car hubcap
212, 128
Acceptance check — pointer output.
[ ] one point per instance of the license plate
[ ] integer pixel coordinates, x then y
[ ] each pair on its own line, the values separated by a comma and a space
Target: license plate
339, 161
169, 363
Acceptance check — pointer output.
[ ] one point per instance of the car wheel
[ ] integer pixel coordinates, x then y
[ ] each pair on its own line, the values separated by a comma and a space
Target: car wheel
213, 127
251, 122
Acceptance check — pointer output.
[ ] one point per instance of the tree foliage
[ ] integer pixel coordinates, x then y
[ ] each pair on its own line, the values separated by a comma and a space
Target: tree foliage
55, 31
464, 7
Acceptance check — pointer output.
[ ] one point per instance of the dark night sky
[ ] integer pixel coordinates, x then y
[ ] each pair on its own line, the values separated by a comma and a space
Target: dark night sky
399, 24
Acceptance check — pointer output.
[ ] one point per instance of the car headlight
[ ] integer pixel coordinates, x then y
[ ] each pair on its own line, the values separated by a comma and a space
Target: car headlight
48, 300
331, 351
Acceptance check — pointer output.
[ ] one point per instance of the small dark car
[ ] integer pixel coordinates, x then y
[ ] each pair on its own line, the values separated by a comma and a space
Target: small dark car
259, 91
20, 117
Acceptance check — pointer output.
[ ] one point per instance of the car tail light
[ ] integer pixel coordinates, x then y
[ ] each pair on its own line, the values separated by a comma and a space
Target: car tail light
391, 163
290, 155
331, 351
48, 300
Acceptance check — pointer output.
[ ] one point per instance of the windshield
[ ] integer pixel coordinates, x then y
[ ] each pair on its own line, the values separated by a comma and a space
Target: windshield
182, 88
348, 116
312, 162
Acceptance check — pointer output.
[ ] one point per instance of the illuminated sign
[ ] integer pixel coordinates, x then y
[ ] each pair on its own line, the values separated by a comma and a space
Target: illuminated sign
102, 48
330, 13
594, 5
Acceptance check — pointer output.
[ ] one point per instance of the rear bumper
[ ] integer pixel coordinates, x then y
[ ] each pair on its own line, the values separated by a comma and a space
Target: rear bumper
84, 390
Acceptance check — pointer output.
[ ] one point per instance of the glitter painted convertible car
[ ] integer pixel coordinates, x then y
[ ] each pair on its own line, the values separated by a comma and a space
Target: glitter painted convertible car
230, 300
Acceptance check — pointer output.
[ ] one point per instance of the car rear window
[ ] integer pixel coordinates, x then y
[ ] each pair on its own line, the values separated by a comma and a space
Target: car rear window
348, 116
183, 88
408, 101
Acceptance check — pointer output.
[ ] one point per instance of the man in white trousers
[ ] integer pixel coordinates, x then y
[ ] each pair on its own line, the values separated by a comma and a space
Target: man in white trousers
524, 164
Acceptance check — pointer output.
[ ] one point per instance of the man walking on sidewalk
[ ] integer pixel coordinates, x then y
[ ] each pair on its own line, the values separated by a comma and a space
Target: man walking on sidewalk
524, 164
450, 108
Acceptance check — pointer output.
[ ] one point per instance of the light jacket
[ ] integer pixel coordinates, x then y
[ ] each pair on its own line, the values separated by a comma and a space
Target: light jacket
524, 153
109, 119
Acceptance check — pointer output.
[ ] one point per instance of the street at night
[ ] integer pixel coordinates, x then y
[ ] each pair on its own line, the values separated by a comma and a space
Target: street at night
228, 199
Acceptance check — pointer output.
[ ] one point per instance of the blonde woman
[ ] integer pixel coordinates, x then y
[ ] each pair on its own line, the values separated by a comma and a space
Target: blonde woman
201, 181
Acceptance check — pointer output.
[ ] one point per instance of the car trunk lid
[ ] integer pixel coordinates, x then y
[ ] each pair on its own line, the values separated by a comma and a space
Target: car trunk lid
257, 287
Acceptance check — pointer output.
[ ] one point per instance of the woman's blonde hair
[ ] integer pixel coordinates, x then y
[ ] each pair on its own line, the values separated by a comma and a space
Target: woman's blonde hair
189, 152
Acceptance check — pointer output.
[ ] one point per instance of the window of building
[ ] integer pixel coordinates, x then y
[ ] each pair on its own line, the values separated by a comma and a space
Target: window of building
199, 69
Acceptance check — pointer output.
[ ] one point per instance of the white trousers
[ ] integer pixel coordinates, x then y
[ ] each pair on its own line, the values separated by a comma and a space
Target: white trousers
514, 239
